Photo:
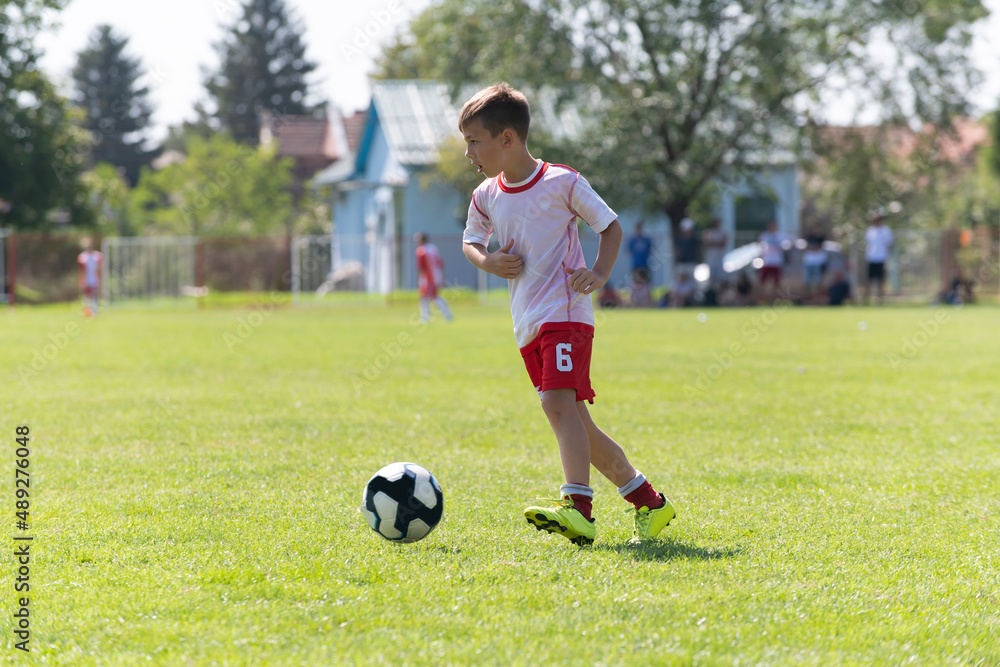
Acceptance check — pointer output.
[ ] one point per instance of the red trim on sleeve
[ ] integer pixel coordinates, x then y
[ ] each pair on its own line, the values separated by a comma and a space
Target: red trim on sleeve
565, 167
521, 188
477, 207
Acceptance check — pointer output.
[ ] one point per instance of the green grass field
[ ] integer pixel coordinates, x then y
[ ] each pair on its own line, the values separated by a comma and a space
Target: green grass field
195, 477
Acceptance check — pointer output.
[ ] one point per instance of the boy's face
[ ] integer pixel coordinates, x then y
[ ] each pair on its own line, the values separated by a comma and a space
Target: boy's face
486, 152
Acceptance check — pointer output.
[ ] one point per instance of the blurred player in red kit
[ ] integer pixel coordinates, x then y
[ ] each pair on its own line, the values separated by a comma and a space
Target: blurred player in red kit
89, 262
430, 273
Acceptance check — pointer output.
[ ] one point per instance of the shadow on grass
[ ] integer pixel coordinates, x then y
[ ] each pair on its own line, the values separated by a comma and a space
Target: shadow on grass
668, 550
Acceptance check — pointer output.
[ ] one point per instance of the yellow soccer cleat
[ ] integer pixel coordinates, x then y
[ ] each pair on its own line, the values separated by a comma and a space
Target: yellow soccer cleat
562, 519
649, 523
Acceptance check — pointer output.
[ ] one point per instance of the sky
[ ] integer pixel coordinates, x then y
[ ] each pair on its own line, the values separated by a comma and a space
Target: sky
174, 41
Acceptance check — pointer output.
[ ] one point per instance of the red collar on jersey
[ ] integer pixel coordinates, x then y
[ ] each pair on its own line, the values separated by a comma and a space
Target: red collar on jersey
522, 188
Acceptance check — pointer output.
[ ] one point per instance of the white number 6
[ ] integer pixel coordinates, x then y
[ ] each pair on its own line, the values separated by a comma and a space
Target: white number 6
563, 361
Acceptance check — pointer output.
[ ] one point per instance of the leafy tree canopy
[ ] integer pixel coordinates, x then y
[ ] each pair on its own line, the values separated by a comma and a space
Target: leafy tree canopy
221, 188
681, 92
42, 152
110, 90
263, 67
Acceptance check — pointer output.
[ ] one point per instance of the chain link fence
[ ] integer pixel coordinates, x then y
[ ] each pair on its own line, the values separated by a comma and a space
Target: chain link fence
40, 268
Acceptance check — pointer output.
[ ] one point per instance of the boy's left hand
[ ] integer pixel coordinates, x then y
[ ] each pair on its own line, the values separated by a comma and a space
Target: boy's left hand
584, 280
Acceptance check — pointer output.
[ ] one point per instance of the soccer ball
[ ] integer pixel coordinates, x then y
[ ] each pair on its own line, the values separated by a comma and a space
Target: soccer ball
402, 502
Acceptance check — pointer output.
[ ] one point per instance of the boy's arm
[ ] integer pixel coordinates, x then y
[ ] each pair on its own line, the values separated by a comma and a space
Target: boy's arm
502, 263
586, 280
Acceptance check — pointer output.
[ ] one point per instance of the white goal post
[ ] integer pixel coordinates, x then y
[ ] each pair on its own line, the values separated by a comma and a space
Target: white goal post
147, 267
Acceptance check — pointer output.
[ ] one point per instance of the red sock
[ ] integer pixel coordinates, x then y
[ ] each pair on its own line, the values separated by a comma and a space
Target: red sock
583, 504
645, 496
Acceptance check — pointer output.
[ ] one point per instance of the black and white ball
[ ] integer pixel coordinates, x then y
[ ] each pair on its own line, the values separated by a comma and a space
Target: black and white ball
403, 502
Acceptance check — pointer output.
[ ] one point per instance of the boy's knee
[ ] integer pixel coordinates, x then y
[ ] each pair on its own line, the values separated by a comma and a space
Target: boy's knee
558, 403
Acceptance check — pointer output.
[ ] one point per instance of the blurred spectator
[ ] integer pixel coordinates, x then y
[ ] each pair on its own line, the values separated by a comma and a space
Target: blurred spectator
714, 241
773, 255
608, 297
959, 293
744, 290
641, 294
686, 248
640, 247
813, 261
839, 290
683, 292
878, 244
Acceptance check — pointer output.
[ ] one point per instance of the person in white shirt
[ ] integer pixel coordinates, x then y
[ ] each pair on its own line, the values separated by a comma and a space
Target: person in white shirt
878, 244
773, 256
89, 262
714, 240
533, 207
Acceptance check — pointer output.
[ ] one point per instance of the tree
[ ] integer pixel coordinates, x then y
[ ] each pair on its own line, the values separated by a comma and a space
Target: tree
221, 188
679, 93
41, 151
115, 103
109, 197
263, 67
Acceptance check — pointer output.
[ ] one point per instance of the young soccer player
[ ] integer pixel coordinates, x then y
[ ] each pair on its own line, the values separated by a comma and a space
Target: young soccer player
89, 262
532, 206
430, 275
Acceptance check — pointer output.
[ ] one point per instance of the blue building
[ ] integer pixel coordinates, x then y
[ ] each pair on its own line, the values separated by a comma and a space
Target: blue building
384, 193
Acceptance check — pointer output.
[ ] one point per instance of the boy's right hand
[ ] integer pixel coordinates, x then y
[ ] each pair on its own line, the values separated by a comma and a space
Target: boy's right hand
503, 262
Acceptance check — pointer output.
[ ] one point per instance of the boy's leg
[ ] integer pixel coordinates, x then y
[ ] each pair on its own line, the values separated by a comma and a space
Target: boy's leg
606, 454
443, 307
652, 510
425, 309
571, 434
571, 515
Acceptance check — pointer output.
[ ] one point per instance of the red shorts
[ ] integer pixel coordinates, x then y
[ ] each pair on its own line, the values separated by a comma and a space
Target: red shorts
770, 273
559, 358
90, 290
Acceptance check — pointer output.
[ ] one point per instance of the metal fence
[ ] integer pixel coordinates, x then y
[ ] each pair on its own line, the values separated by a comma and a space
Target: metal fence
43, 268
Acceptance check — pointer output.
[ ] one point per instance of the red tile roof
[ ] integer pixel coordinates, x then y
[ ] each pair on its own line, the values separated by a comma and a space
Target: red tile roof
354, 127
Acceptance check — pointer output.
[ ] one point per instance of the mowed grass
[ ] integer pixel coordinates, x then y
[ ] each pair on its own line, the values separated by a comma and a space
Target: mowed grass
196, 477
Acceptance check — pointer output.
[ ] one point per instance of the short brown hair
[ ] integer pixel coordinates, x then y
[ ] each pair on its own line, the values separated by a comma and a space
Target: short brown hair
498, 107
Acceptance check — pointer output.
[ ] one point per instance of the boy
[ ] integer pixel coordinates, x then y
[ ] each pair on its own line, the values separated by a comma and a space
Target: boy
430, 274
532, 206
89, 262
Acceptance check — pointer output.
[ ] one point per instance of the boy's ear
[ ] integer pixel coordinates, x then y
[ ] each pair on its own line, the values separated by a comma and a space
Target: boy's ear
508, 137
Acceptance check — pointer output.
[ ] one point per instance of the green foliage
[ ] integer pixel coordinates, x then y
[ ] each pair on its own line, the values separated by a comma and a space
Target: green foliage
832, 509
42, 153
918, 176
680, 93
221, 188
991, 154
117, 110
263, 68
110, 198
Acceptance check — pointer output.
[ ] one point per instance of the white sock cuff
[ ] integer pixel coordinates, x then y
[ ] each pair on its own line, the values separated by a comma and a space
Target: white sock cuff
636, 482
576, 489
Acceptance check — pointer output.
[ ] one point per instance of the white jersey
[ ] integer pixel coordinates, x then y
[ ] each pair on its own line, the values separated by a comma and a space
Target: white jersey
878, 239
771, 249
90, 262
540, 214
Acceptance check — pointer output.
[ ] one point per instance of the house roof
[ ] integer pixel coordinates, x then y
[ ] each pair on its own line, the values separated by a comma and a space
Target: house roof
354, 127
416, 117
300, 136
957, 146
